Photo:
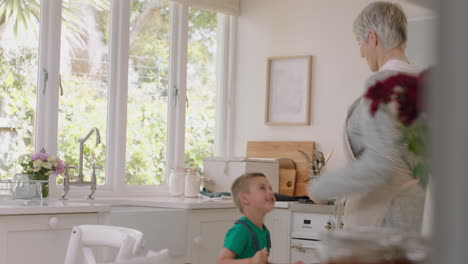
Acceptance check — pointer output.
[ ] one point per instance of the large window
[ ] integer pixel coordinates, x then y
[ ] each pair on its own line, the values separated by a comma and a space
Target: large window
201, 87
143, 73
148, 75
19, 41
84, 78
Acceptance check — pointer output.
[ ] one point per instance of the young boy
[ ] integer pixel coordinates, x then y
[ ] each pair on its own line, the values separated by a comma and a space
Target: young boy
248, 241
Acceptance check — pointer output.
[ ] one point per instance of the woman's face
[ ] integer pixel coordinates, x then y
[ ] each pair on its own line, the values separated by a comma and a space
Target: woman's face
368, 51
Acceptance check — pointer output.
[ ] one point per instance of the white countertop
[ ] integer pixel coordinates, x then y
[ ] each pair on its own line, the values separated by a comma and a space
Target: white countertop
311, 208
19, 207
172, 202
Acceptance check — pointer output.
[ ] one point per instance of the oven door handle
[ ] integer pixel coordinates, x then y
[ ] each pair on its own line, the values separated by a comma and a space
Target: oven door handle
302, 248
309, 247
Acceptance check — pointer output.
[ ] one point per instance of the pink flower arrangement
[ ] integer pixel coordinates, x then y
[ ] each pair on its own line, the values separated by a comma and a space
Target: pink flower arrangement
405, 91
41, 165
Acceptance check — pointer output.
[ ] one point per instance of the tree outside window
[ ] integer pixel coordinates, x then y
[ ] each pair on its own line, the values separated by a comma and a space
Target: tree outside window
84, 72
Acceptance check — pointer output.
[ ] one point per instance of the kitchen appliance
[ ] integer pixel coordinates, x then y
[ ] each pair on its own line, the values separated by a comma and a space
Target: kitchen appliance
305, 230
222, 172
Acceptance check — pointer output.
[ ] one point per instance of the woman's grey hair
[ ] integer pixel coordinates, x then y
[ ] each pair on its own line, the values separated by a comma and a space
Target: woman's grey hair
387, 19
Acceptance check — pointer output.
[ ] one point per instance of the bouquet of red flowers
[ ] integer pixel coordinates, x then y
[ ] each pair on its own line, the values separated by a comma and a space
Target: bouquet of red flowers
405, 91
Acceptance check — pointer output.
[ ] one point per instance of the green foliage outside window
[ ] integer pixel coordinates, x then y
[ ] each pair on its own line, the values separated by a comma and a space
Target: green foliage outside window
145, 160
18, 68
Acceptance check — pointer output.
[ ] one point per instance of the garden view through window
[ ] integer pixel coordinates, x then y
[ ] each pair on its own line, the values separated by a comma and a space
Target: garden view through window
148, 75
84, 76
84, 71
19, 41
201, 87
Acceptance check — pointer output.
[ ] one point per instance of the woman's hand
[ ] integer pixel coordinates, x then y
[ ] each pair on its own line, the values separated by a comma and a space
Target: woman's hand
311, 197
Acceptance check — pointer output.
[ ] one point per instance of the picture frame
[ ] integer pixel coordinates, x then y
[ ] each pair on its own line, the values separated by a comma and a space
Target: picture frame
288, 90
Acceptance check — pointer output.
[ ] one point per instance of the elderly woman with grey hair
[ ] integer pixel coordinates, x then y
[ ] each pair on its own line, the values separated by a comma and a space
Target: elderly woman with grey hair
377, 185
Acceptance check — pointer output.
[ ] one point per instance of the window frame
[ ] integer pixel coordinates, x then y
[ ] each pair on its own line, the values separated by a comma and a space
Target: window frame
46, 133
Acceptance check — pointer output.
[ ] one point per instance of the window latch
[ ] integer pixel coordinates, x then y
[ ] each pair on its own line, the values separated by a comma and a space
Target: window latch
175, 93
45, 76
61, 88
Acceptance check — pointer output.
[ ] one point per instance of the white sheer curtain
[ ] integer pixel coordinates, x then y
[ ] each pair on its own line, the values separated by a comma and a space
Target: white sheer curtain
228, 7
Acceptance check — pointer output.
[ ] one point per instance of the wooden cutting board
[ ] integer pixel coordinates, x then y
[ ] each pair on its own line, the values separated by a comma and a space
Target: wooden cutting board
289, 150
287, 176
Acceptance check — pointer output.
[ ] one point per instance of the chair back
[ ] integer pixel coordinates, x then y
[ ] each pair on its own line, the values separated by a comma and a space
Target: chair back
129, 242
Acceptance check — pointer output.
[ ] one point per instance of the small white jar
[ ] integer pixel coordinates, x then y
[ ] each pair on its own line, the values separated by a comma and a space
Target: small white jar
192, 183
177, 181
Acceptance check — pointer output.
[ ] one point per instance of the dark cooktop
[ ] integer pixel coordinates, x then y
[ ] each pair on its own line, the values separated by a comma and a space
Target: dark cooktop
287, 198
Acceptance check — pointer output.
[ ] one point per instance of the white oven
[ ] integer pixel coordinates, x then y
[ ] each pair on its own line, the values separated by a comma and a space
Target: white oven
305, 243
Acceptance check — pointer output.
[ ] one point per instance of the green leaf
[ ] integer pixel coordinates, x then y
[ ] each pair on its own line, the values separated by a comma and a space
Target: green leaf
402, 140
420, 173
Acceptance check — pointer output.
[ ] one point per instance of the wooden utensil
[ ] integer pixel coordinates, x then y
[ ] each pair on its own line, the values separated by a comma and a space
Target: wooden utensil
329, 154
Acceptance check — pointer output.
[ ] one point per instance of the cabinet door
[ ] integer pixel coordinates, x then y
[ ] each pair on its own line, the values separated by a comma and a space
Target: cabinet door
207, 231
38, 238
278, 222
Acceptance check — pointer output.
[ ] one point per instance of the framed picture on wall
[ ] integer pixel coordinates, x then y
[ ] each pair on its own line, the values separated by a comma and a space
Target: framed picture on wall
288, 90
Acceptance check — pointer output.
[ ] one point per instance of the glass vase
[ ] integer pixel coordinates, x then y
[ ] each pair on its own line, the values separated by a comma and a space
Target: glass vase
44, 185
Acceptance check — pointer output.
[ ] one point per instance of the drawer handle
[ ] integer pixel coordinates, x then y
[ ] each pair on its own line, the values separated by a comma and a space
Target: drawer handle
53, 222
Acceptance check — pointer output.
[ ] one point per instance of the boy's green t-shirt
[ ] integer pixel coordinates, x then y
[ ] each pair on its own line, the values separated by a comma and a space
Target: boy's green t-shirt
239, 240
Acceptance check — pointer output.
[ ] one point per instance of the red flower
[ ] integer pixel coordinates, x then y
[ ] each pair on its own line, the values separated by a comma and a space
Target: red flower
406, 91
402, 88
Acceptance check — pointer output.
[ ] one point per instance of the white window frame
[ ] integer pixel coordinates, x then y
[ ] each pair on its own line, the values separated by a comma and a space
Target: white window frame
46, 123
47, 103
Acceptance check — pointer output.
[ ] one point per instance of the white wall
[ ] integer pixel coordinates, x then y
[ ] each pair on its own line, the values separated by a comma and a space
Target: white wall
321, 28
421, 48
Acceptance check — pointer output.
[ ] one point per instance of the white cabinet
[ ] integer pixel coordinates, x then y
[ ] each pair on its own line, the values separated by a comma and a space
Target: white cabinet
162, 227
208, 227
278, 222
26, 239
206, 231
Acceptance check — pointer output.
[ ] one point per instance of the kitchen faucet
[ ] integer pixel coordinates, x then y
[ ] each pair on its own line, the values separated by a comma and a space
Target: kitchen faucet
82, 141
80, 181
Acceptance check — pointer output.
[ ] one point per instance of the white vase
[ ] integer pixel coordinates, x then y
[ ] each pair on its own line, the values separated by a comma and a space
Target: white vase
426, 228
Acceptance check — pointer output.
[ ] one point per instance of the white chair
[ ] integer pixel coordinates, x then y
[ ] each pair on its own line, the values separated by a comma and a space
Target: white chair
160, 257
129, 242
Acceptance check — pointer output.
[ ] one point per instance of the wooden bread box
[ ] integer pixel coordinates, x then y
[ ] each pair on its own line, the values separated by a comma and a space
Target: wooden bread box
287, 176
286, 150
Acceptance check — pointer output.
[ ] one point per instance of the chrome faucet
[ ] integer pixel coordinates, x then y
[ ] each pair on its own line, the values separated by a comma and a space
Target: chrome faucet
82, 141
80, 181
